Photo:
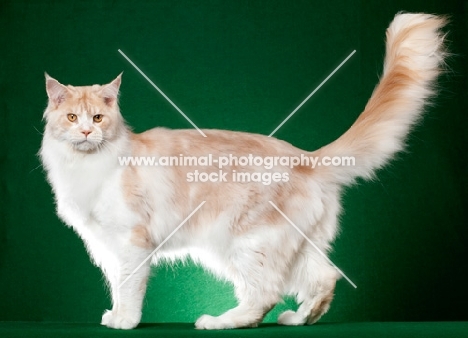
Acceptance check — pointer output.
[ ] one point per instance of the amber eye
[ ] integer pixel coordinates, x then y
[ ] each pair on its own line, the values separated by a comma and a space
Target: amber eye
97, 118
71, 117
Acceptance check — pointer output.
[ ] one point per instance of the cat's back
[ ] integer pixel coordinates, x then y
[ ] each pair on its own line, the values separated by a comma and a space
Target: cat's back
168, 142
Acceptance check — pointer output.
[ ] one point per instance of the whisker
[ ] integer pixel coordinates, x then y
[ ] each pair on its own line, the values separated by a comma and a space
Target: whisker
40, 165
108, 144
38, 131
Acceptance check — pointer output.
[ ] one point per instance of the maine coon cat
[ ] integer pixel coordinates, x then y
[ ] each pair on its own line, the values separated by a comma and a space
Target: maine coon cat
123, 212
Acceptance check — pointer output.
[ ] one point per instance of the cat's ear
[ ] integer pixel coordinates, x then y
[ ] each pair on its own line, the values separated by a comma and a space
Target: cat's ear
56, 91
110, 92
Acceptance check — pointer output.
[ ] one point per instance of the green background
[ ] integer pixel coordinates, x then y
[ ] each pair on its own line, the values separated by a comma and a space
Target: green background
238, 65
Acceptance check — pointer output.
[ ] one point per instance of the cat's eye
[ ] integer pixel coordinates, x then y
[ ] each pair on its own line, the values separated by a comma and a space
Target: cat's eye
97, 118
71, 117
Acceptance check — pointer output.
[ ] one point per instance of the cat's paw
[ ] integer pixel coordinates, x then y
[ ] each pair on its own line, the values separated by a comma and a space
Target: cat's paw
207, 322
291, 318
118, 321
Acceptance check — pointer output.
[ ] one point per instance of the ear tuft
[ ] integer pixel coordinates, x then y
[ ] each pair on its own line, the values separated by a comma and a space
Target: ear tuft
56, 91
110, 92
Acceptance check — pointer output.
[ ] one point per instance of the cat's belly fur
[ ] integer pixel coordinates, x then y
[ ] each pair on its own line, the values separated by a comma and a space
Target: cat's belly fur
106, 220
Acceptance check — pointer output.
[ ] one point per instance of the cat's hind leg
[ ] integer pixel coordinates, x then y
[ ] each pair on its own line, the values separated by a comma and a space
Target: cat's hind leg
313, 284
311, 278
256, 270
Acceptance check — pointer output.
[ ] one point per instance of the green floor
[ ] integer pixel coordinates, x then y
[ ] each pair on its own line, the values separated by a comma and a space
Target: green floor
328, 330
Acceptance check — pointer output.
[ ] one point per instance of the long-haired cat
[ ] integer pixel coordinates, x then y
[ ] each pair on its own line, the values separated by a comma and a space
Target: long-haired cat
123, 212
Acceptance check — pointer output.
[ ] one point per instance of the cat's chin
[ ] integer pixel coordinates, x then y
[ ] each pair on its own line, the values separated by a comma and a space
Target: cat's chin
86, 146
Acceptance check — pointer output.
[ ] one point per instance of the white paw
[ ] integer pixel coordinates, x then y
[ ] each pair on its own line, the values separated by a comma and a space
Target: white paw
291, 318
207, 322
118, 321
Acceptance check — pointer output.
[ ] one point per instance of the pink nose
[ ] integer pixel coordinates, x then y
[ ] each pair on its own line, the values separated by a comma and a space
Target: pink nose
86, 132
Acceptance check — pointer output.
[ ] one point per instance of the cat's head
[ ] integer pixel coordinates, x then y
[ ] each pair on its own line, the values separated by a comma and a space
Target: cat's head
84, 117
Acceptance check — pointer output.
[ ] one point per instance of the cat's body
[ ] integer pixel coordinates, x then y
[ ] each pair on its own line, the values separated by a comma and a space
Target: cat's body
124, 212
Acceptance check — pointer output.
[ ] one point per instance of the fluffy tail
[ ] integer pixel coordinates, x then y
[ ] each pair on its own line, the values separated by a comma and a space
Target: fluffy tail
414, 58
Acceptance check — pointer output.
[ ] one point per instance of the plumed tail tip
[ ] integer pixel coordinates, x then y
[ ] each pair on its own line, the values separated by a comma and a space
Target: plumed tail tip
415, 57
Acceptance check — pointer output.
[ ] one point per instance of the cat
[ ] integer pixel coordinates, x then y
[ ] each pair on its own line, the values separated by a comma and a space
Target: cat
123, 212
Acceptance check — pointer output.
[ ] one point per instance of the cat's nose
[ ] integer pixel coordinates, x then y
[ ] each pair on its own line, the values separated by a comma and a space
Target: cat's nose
86, 132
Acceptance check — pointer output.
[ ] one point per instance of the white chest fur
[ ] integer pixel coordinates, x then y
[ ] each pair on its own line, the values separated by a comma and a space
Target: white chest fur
86, 186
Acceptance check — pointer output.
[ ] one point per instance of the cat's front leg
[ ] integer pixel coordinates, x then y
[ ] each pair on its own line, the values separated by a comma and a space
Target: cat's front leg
127, 287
